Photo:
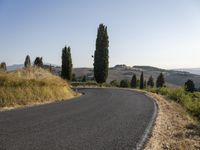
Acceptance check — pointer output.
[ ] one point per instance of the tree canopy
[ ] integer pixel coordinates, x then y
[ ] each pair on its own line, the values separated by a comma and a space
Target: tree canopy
66, 68
101, 55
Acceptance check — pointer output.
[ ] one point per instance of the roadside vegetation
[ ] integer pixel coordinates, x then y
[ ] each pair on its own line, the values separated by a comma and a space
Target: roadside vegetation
190, 101
32, 85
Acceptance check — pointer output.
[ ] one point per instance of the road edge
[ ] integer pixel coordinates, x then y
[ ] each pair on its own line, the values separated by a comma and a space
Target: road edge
147, 133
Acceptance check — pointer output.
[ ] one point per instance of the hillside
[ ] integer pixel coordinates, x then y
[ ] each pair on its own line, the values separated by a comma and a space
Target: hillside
119, 72
31, 85
191, 70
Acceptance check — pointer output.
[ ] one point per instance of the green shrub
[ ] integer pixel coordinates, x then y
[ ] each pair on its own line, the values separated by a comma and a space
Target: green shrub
176, 94
190, 101
164, 91
124, 83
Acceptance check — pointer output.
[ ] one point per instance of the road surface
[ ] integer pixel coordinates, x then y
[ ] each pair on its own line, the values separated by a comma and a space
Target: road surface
101, 119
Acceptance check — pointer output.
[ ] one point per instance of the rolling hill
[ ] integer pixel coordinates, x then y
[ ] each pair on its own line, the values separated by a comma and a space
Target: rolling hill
119, 72
173, 77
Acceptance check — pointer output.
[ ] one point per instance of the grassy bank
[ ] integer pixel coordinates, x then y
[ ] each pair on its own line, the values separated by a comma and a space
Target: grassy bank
190, 101
31, 85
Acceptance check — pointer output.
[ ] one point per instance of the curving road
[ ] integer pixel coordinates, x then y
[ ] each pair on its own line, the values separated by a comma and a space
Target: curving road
101, 119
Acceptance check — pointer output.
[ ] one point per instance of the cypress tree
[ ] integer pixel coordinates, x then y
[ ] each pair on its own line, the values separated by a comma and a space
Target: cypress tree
150, 82
38, 62
27, 62
141, 81
101, 55
3, 66
66, 72
134, 81
160, 81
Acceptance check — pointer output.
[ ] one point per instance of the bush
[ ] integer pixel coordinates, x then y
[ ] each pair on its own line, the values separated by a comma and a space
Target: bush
164, 91
190, 101
124, 83
176, 94
189, 86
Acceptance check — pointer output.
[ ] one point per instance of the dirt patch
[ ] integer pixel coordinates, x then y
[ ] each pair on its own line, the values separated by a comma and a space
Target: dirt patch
174, 129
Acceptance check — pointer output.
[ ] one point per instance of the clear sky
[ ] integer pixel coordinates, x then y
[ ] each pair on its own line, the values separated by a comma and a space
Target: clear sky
161, 33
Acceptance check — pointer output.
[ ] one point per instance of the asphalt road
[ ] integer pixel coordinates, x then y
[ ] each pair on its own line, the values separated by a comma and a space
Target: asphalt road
102, 119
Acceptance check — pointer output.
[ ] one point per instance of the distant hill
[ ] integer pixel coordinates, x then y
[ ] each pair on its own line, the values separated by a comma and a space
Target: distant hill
14, 67
19, 66
119, 72
190, 70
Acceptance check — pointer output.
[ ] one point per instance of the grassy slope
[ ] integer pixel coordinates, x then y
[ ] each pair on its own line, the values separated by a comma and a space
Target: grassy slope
32, 85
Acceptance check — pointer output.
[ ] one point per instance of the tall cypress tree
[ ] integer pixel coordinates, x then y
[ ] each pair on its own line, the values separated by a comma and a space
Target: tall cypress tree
141, 81
134, 81
101, 55
27, 62
66, 72
160, 81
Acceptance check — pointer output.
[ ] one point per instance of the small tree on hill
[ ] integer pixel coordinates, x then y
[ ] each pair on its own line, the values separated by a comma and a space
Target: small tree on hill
141, 81
3, 66
150, 82
38, 62
66, 72
160, 81
27, 62
134, 81
189, 86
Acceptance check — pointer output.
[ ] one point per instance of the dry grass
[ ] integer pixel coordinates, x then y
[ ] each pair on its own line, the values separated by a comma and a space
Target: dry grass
31, 85
174, 129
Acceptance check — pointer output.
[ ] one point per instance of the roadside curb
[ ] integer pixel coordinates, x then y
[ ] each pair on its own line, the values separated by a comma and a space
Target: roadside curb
149, 129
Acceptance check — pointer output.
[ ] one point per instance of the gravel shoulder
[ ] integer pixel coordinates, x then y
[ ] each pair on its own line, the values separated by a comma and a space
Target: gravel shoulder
174, 129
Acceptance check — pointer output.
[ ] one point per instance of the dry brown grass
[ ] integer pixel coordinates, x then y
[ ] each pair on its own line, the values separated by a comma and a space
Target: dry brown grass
174, 129
31, 85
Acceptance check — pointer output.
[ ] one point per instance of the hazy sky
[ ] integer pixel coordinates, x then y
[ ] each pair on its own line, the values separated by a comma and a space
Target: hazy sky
161, 33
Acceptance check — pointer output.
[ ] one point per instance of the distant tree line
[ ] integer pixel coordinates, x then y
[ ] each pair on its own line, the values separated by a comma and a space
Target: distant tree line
38, 62
140, 83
